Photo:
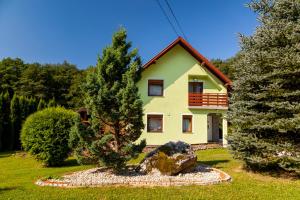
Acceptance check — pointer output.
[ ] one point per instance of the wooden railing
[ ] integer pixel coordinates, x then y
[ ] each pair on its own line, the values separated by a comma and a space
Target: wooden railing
208, 99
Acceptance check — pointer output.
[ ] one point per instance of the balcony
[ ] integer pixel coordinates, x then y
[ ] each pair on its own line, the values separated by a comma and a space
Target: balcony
208, 100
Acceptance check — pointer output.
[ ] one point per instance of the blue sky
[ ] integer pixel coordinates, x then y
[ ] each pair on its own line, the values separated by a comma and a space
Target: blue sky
51, 31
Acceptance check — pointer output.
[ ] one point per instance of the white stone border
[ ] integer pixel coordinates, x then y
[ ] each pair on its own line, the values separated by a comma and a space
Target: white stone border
223, 177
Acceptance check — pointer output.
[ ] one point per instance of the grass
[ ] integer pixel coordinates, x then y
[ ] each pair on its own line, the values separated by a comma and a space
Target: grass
18, 173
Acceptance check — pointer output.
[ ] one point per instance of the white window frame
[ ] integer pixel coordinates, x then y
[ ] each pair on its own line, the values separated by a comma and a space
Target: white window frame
193, 123
156, 79
163, 121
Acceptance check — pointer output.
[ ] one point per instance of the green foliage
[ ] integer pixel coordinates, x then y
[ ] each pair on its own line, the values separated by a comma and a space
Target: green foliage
75, 93
10, 73
42, 104
15, 119
47, 85
59, 81
5, 122
34, 82
227, 66
112, 98
45, 134
265, 104
51, 103
19, 108
1, 120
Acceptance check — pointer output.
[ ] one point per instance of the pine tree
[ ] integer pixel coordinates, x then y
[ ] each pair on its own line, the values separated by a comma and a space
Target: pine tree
114, 104
265, 104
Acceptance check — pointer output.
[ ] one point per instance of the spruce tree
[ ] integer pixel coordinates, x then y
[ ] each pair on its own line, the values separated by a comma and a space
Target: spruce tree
265, 104
112, 99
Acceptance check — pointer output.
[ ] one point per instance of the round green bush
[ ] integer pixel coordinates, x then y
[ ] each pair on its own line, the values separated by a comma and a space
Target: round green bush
45, 134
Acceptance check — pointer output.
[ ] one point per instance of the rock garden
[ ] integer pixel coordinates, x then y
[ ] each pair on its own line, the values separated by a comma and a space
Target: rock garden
172, 164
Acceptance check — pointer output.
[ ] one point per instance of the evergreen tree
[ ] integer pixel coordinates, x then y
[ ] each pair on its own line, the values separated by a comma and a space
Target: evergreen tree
32, 105
113, 101
265, 104
51, 103
15, 119
23, 107
10, 72
1, 121
227, 66
42, 104
6, 121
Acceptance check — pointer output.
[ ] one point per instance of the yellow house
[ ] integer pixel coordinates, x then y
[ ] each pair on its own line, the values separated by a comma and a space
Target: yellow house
185, 97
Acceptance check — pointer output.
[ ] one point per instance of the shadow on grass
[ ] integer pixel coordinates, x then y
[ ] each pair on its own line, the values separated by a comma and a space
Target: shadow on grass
6, 154
212, 162
3, 189
70, 163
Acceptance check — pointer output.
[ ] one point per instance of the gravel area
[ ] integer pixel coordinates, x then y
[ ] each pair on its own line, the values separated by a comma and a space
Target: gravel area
201, 175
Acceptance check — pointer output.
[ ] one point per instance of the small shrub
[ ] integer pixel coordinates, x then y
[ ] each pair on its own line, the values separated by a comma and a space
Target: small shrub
45, 135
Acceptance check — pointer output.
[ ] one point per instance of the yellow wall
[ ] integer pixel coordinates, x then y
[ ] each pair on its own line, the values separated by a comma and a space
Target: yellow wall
176, 68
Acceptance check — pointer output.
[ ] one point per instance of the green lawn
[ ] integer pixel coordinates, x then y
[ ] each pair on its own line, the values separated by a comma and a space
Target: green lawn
18, 173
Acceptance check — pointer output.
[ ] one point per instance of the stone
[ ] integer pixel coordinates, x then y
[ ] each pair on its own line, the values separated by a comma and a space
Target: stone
169, 159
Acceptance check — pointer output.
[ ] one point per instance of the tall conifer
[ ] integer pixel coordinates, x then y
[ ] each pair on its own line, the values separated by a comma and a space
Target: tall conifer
114, 104
265, 105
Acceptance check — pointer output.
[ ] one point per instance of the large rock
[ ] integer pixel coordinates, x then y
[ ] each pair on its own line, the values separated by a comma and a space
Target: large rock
169, 159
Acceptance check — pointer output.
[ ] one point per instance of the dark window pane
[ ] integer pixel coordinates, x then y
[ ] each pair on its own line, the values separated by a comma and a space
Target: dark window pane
154, 123
155, 87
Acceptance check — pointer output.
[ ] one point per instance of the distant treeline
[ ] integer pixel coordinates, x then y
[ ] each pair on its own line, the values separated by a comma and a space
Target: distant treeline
26, 88
42, 81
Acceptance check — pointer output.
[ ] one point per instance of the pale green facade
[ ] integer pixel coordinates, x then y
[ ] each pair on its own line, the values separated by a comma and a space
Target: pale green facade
176, 68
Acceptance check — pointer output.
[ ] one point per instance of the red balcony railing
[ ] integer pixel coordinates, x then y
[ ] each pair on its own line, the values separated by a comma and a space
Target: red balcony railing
208, 99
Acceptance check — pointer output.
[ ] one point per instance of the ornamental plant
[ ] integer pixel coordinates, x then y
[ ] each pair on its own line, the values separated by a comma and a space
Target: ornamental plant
45, 134
115, 107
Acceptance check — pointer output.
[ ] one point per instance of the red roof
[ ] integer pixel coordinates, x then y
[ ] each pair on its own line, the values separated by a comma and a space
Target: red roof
205, 62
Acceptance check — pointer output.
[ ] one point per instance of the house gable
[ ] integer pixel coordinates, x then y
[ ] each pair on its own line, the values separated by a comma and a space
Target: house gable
201, 59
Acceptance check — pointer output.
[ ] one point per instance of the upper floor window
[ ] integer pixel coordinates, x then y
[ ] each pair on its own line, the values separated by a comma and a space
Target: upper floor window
195, 87
155, 87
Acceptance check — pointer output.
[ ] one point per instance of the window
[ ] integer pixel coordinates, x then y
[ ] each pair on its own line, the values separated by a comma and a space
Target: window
154, 123
155, 87
195, 87
187, 123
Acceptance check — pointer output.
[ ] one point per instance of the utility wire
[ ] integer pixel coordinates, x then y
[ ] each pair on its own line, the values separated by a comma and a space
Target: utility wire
172, 12
166, 16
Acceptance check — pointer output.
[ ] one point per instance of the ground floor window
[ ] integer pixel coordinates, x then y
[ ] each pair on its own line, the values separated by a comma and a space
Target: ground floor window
187, 123
154, 123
